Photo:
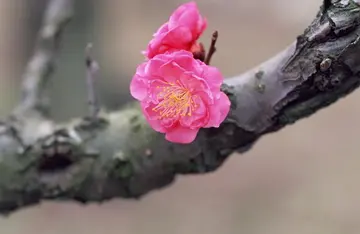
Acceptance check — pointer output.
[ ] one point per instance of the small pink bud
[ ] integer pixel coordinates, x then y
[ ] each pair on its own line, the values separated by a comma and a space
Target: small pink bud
181, 32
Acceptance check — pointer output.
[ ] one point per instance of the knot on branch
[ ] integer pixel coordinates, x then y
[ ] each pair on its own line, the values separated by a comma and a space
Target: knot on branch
57, 154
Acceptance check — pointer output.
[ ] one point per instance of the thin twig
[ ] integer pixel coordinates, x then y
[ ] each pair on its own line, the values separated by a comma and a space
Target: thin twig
41, 65
212, 48
92, 68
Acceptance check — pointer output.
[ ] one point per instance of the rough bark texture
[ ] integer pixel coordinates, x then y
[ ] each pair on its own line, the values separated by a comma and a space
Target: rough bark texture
118, 155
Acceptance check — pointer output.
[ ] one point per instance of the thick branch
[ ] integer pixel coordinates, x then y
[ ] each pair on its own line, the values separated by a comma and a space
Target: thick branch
118, 155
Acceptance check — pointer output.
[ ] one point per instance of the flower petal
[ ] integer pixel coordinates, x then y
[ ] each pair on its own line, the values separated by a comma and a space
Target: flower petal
181, 135
153, 66
213, 77
194, 83
138, 88
138, 84
171, 72
185, 59
155, 123
219, 111
177, 15
153, 117
198, 117
179, 37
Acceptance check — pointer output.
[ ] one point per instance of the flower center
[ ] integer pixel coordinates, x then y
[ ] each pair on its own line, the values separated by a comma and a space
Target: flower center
176, 100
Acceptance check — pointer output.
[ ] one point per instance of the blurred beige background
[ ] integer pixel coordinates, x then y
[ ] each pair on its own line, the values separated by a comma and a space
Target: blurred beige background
303, 179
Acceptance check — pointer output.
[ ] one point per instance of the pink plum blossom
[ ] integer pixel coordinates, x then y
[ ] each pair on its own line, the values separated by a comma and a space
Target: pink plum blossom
180, 33
179, 95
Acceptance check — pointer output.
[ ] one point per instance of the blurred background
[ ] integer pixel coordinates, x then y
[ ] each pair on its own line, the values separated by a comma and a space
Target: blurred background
300, 180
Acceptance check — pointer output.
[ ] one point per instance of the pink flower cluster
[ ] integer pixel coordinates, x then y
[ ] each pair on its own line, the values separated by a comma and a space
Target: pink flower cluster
178, 93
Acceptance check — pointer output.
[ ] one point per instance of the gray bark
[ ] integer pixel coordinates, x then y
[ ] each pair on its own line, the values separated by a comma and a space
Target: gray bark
93, 159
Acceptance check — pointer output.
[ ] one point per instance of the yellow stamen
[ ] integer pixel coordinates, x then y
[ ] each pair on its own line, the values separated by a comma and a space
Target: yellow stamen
175, 100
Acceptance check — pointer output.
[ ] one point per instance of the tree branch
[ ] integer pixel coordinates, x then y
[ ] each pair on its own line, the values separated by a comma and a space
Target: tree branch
118, 155
41, 65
